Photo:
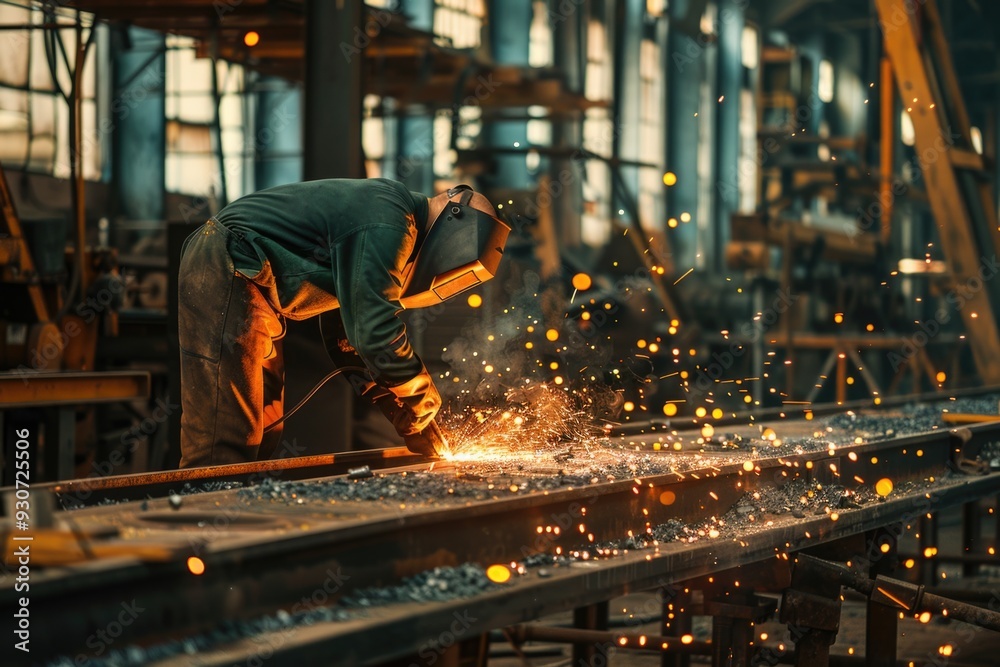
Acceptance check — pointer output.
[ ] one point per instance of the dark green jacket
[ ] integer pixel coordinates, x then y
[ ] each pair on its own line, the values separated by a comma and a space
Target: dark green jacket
337, 243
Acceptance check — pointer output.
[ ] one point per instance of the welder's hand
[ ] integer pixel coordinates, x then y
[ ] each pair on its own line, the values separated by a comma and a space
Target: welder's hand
419, 403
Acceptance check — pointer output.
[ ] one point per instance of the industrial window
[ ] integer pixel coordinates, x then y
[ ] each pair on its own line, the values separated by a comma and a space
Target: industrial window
540, 54
906, 132
651, 124
706, 161
598, 137
747, 173
976, 135
444, 156
749, 47
373, 136
540, 37
34, 115
825, 83
458, 23
191, 162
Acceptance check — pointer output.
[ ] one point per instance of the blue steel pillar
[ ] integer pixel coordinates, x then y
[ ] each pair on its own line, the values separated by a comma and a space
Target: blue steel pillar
811, 117
138, 124
627, 105
277, 138
331, 149
727, 124
415, 126
333, 90
509, 24
684, 69
566, 174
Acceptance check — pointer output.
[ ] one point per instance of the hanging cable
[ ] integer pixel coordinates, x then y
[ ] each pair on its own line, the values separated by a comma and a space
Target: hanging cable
312, 392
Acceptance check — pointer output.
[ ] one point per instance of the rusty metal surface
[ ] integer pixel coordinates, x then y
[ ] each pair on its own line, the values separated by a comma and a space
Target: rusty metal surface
262, 553
21, 390
94, 490
400, 629
527, 632
816, 409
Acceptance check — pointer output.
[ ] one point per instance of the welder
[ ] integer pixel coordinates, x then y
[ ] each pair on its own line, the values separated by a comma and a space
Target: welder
356, 252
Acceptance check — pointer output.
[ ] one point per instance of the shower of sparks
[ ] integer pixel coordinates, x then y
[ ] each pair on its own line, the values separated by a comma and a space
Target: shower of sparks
529, 421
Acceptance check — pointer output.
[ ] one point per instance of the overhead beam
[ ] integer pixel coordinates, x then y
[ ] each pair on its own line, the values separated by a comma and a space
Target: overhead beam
779, 12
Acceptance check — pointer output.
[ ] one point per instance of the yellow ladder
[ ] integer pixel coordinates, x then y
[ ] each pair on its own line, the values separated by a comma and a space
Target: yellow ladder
16, 264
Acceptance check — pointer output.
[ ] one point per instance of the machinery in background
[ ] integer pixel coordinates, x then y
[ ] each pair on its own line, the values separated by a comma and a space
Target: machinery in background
872, 310
57, 305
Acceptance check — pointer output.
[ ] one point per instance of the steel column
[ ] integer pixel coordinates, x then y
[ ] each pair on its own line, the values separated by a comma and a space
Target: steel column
592, 617
627, 41
881, 621
59, 443
727, 124
277, 141
508, 25
139, 128
570, 56
677, 621
928, 541
971, 535
333, 91
683, 74
733, 619
415, 126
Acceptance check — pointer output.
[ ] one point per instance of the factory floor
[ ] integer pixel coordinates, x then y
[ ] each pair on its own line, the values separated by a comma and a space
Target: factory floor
937, 643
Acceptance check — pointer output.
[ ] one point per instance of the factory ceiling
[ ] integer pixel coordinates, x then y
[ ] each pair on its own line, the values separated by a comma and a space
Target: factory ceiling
269, 36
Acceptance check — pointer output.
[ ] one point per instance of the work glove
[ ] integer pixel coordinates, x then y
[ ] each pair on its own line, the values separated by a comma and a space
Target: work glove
418, 403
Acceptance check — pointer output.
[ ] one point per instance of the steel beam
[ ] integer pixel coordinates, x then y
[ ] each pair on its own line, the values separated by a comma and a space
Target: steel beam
27, 390
380, 545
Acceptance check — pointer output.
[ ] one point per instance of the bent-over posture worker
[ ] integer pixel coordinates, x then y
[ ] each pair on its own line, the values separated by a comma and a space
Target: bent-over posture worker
360, 249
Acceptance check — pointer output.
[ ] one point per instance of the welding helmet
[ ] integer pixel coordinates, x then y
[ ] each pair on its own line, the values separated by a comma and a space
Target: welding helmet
461, 248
